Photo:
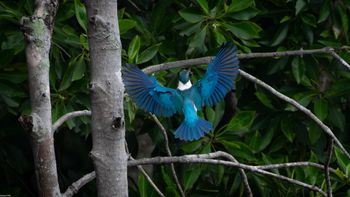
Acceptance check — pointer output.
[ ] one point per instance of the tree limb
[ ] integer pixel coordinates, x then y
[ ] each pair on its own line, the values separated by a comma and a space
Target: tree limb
69, 116
169, 154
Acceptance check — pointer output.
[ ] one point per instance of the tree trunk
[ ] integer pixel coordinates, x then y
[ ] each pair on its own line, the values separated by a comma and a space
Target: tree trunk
106, 88
38, 30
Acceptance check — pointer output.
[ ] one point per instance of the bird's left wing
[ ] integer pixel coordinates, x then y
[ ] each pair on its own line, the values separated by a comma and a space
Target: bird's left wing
220, 76
149, 95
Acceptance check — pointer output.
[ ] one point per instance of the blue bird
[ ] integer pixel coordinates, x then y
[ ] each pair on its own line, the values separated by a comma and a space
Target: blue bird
187, 99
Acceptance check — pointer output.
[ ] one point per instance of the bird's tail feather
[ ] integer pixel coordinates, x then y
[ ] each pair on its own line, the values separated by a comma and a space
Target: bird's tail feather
188, 132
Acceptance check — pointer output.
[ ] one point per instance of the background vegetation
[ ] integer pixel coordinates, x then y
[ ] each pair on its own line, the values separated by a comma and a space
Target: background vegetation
264, 130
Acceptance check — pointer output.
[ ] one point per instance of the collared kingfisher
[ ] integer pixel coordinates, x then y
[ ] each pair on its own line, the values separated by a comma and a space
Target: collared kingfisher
187, 99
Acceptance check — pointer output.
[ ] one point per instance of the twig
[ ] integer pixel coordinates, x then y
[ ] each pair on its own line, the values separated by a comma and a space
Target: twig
326, 167
140, 168
169, 154
75, 187
324, 127
69, 116
203, 158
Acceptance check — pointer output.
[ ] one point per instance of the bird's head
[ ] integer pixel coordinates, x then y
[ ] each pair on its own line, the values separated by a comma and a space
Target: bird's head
184, 76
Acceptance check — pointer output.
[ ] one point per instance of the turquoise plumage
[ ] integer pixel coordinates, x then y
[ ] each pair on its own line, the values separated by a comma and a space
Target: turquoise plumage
151, 96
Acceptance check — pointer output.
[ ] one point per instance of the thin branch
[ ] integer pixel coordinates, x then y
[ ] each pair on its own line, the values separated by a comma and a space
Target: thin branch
340, 60
241, 171
324, 127
75, 187
69, 116
206, 60
295, 164
326, 166
140, 168
150, 181
169, 154
203, 158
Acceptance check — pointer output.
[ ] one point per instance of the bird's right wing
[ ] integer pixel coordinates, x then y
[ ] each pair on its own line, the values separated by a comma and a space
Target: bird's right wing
149, 95
220, 76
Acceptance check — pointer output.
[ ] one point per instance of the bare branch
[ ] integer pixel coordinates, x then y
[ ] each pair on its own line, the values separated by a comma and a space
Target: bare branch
206, 60
295, 164
150, 181
326, 166
340, 60
69, 116
324, 127
169, 154
203, 158
75, 187
241, 171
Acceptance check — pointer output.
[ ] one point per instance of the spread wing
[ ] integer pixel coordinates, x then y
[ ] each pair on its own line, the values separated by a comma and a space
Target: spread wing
149, 95
220, 75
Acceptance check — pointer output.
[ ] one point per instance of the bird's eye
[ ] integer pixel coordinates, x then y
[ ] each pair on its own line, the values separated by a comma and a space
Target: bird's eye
191, 73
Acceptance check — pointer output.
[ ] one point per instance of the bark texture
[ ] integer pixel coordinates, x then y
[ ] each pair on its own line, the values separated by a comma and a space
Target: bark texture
37, 31
106, 88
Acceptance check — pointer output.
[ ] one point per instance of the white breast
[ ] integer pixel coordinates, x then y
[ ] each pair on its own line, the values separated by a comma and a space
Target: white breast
185, 86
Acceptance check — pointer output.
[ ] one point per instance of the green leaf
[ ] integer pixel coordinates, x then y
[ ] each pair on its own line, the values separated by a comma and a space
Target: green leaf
287, 128
239, 149
342, 160
238, 5
336, 117
245, 14
344, 18
242, 120
125, 25
280, 35
198, 39
298, 69
190, 147
314, 132
309, 19
204, 5
142, 184
148, 54
264, 99
191, 176
210, 114
191, 15
79, 68
131, 111
266, 139
324, 11
80, 14
244, 30
321, 108
134, 48
300, 4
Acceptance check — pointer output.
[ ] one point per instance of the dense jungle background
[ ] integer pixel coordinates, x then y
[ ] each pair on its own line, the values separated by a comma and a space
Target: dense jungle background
264, 129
